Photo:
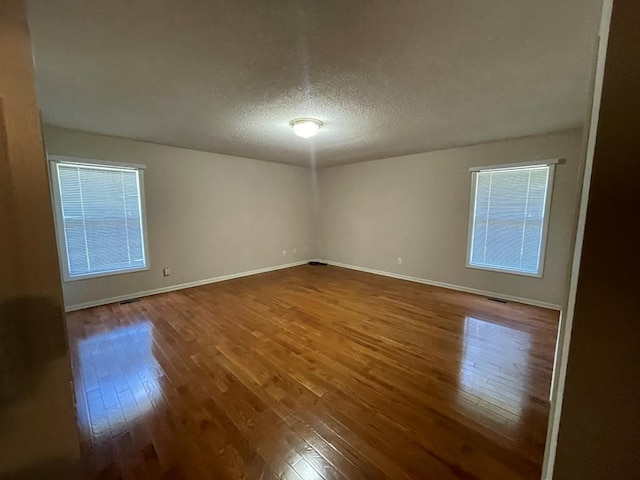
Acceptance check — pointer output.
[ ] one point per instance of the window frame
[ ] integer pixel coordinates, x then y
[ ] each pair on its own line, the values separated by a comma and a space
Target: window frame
551, 163
59, 218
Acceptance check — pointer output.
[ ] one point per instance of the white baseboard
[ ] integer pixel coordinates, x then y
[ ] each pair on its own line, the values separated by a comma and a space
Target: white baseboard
484, 293
171, 288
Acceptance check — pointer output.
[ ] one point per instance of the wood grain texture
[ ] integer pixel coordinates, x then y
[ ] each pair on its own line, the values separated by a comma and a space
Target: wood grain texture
313, 373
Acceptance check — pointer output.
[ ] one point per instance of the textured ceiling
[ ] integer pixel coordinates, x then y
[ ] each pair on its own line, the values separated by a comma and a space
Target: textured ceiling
386, 77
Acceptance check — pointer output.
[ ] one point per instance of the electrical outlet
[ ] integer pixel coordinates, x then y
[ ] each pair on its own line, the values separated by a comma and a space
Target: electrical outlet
166, 271
295, 250
399, 260
284, 252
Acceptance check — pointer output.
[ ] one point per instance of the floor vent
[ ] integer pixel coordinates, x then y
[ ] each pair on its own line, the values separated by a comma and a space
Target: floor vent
313, 262
131, 300
496, 299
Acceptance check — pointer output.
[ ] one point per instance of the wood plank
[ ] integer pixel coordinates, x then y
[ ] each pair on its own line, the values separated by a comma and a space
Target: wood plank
313, 372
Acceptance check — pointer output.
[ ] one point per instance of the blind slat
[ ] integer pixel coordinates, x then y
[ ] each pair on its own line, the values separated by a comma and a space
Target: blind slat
101, 218
508, 218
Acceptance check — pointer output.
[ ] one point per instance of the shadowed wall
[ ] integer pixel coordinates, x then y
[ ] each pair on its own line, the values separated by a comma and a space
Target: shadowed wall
600, 423
38, 436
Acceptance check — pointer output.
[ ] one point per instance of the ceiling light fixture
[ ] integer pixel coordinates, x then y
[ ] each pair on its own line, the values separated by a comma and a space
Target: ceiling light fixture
306, 127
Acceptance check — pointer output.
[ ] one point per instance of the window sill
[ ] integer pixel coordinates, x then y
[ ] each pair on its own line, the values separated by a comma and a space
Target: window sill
68, 279
500, 270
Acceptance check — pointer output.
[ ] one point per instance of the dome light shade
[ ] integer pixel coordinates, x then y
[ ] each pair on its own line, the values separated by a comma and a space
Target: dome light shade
306, 127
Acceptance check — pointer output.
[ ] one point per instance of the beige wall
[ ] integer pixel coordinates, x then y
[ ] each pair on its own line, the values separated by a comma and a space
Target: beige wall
38, 436
212, 215
599, 433
208, 215
417, 207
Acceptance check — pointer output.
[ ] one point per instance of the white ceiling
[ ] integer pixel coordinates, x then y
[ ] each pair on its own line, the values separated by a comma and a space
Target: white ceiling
386, 77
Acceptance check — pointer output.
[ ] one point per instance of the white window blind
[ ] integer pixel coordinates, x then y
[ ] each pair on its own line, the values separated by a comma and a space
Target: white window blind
100, 215
509, 218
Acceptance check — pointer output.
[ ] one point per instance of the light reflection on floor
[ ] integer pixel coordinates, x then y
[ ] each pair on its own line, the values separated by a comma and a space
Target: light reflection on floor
494, 368
121, 374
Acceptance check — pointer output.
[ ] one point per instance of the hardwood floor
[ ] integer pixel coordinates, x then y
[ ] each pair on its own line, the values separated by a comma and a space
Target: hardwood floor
313, 373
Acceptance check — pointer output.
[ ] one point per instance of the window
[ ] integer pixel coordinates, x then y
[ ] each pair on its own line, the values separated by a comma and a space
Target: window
99, 218
509, 217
